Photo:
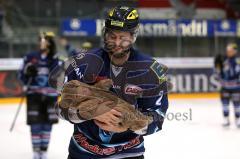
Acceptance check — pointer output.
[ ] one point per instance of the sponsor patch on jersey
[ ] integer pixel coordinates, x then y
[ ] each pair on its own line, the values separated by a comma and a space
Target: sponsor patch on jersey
133, 90
160, 70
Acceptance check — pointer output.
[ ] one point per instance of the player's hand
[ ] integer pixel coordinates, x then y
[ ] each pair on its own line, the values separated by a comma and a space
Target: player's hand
112, 117
110, 127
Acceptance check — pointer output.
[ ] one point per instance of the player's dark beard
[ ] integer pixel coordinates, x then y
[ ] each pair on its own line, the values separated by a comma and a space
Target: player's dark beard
119, 55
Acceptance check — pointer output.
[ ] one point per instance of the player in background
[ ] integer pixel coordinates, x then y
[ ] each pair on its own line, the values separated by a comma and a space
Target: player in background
99, 137
40, 96
228, 69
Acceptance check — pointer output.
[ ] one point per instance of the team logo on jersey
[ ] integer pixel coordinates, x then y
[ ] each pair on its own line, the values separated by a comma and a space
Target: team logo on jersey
42, 80
78, 73
133, 90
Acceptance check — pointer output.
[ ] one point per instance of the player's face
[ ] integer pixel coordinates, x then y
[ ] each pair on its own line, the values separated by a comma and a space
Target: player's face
43, 43
231, 51
117, 43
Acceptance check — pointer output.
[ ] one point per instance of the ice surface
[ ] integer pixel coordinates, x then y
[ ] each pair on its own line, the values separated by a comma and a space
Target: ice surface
201, 136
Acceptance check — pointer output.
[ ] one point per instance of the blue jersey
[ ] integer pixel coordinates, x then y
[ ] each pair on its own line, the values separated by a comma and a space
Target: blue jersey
230, 75
44, 65
88, 140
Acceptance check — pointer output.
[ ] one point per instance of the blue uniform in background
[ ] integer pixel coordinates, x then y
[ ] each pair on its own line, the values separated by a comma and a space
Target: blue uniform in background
88, 140
229, 76
44, 65
41, 98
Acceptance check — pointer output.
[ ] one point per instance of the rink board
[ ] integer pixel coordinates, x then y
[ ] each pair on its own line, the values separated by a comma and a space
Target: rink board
187, 75
16, 100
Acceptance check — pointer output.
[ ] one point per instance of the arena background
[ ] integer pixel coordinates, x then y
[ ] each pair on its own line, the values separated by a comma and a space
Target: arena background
184, 35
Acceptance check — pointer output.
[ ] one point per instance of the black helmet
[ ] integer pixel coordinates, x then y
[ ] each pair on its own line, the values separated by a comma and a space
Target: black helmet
122, 18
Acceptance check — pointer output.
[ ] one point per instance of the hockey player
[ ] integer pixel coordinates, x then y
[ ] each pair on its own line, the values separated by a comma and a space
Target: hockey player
228, 68
40, 96
101, 137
